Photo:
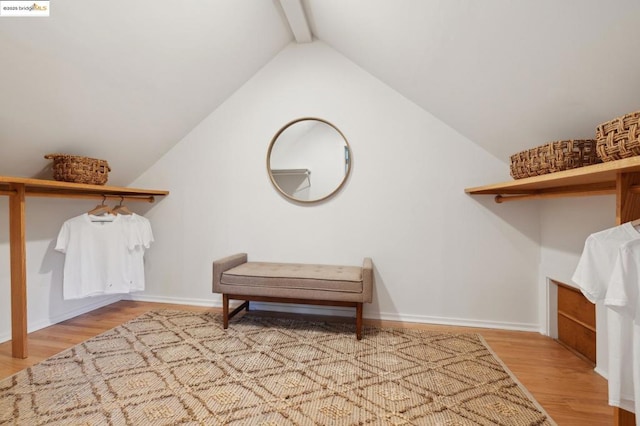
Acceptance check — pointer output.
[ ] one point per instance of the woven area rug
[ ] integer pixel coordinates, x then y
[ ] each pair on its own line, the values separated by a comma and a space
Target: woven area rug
174, 367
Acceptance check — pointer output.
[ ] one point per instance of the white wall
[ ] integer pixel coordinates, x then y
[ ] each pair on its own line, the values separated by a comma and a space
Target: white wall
565, 225
439, 254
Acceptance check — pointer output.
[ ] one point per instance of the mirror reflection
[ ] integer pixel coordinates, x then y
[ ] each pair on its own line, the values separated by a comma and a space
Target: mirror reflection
308, 160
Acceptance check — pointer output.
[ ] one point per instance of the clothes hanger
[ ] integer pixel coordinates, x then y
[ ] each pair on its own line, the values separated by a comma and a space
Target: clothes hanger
121, 208
101, 209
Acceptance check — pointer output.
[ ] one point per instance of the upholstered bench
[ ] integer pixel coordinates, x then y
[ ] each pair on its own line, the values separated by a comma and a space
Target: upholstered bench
238, 279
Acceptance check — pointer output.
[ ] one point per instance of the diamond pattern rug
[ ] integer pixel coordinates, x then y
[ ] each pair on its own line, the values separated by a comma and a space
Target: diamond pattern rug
173, 367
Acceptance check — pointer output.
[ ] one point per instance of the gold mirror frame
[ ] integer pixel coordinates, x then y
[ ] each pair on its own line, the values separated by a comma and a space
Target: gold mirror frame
348, 162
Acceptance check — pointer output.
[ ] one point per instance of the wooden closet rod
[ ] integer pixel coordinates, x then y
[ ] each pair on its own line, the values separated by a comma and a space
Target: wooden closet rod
634, 189
145, 198
541, 195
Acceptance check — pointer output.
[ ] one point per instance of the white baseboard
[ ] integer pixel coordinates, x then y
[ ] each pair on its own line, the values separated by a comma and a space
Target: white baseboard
345, 312
173, 300
37, 325
460, 322
279, 307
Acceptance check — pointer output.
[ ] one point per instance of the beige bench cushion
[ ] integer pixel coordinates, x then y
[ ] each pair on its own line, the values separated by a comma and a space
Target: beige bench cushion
295, 276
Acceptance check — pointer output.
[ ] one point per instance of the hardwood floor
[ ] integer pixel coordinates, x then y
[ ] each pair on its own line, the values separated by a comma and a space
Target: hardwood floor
564, 384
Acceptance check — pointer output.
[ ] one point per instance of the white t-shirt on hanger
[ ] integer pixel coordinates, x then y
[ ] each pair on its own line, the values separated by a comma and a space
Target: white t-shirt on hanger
624, 286
598, 259
622, 297
593, 275
95, 256
139, 228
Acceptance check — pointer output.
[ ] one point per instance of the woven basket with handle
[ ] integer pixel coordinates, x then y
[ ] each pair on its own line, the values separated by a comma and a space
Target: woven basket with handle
77, 169
619, 138
554, 157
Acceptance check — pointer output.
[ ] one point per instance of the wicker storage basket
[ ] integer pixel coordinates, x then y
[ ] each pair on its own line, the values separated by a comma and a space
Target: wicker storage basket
554, 157
73, 168
619, 138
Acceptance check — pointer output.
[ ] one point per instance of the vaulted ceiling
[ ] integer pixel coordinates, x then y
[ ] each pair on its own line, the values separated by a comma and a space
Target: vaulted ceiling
124, 80
507, 74
127, 80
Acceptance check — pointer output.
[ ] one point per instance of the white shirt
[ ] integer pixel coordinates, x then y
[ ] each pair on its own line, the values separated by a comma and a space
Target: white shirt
95, 256
622, 294
598, 259
139, 228
103, 255
622, 297
593, 275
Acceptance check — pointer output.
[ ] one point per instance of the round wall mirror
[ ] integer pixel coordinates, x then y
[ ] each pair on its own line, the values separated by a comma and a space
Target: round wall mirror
309, 160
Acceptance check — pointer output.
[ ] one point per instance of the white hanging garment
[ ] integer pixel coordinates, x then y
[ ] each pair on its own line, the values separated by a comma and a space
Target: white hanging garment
593, 275
623, 298
141, 237
594, 269
95, 256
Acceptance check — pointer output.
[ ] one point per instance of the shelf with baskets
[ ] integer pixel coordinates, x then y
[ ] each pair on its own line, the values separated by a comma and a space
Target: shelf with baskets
597, 179
18, 189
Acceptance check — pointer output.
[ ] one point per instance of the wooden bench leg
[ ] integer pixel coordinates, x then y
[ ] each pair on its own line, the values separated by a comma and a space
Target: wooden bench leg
225, 311
359, 321
226, 315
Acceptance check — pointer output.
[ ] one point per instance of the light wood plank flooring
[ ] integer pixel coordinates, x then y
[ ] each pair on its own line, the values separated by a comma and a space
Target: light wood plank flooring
565, 385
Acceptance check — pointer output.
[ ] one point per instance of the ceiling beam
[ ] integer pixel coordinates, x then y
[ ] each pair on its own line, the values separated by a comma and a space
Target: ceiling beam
294, 12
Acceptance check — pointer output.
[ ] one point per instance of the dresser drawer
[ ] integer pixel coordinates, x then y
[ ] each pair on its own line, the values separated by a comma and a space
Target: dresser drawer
572, 303
577, 337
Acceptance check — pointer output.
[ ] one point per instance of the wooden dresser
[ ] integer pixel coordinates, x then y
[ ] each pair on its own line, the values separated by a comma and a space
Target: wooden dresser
576, 322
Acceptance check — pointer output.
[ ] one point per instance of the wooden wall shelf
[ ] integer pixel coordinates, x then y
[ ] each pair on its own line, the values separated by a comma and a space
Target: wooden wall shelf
53, 188
598, 179
17, 189
621, 177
